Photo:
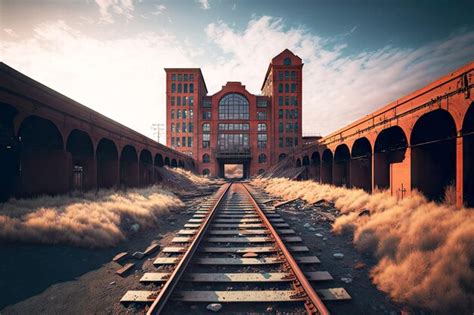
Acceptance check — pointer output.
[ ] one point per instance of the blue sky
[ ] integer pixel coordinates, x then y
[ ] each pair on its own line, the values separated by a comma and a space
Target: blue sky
358, 55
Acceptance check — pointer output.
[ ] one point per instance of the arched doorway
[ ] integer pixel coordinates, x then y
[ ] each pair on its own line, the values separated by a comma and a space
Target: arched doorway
341, 175
361, 165
316, 163
9, 152
174, 163
167, 161
468, 158
146, 168
79, 145
45, 166
129, 167
180, 164
107, 164
326, 167
433, 162
158, 163
390, 147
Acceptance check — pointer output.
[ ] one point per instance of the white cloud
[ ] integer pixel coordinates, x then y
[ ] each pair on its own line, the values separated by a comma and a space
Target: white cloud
205, 5
122, 79
337, 88
119, 7
159, 9
10, 32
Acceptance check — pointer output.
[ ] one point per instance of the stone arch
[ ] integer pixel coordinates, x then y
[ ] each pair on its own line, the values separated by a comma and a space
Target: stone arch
9, 152
107, 164
129, 169
326, 167
79, 145
341, 168
174, 163
361, 164
316, 165
146, 168
167, 161
468, 156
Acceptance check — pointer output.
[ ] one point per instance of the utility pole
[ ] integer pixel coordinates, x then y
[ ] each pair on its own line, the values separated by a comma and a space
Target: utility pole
158, 130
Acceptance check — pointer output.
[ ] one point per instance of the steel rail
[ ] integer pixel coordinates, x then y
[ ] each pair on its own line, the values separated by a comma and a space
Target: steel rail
167, 289
312, 296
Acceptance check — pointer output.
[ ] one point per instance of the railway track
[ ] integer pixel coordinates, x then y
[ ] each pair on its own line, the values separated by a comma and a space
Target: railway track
239, 252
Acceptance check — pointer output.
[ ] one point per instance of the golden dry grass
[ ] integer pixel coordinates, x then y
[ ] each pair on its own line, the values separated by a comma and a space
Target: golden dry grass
425, 250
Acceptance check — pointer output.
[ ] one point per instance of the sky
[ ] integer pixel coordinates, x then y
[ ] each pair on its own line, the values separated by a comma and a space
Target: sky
358, 56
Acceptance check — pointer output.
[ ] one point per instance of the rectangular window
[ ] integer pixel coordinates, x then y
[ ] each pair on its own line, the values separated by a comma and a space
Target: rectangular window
280, 113
280, 88
185, 77
191, 77
262, 140
234, 127
287, 100
206, 103
280, 142
289, 142
173, 100
293, 87
280, 127
178, 127
287, 88
262, 127
185, 88
173, 77
191, 100
262, 103
173, 87
206, 115
287, 114
295, 115
179, 87
296, 142
296, 127
180, 77
261, 115
190, 142
293, 75
234, 111
184, 141
191, 87
233, 142
191, 114
206, 140
293, 101
178, 100
287, 75
178, 141
184, 129
280, 100
280, 75
191, 127
172, 142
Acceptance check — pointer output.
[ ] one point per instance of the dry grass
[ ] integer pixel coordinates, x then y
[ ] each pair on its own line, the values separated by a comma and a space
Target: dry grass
85, 220
194, 178
425, 250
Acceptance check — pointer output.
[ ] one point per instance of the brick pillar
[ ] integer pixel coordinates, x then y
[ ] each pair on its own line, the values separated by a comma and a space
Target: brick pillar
459, 171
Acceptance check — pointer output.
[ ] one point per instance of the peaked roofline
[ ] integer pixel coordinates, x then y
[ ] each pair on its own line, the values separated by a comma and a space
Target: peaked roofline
202, 76
271, 63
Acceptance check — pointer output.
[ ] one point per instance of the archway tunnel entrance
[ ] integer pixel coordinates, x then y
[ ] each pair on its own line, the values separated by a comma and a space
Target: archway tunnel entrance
129, 167
468, 158
146, 168
45, 166
361, 165
9, 152
390, 148
326, 167
158, 163
316, 166
433, 145
233, 168
80, 146
107, 164
341, 176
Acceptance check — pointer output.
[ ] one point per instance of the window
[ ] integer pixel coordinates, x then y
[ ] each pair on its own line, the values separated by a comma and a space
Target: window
191, 87
280, 127
173, 100
206, 140
172, 114
287, 100
287, 114
190, 142
261, 115
178, 100
262, 140
191, 114
280, 113
287, 75
289, 142
280, 142
206, 115
183, 141
296, 127
184, 129
293, 101
234, 127
206, 127
191, 101
289, 127
179, 114
185, 77
280, 87
287, 88
206, 158
262, 127
233, 141
280, 75
173, 77
172, 128
287, 62
293, 75
178, 141
190, 127
295, 115
233, 106
184, 100
178, 127
191, 77
262, 102
280, 100
206, 103
296, 141
185, 88
185, 114
262, 158
173, 87
293, 87
180, 88
173, 142
180, 77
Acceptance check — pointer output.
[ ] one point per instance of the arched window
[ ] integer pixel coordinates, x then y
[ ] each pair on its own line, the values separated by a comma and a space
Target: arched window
191, 88
206, 158
233, 106
262, 158
262, 127
206, 127
280, 87
205, 172
287, 62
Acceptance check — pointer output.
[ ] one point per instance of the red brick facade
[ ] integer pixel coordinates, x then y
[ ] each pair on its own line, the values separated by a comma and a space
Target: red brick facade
234, 126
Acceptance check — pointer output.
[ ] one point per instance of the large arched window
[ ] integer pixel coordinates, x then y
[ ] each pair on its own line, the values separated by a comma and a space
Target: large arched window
206, 158
287, 62
233, 106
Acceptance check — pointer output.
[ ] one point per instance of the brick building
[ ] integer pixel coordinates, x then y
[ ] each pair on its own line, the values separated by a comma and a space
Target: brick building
234, 126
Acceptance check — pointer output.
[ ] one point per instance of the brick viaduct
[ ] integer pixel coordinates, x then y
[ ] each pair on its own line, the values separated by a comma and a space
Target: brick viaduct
422, 141
51, 144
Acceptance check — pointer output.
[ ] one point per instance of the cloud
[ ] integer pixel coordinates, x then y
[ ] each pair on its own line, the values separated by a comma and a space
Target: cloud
337, 87
205, 5
159, 9
119, 7
10, 32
